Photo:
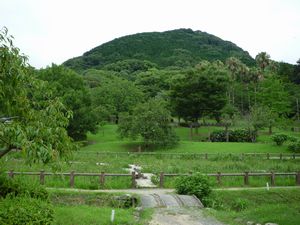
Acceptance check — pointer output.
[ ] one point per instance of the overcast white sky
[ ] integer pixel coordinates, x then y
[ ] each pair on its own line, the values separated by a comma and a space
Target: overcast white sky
56, 30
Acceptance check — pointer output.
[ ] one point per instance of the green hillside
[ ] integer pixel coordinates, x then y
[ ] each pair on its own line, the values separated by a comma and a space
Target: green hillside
180, 48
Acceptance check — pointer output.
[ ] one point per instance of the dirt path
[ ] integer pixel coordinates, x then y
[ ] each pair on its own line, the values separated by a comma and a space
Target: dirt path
182, 216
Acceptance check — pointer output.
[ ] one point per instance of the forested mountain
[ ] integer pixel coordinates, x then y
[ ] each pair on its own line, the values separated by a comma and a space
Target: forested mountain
175, 48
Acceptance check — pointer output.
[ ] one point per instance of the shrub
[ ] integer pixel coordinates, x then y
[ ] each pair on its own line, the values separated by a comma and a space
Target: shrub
292, 139
218, 136
25, 210
195, 184
294, 146
17, 187
238, 135
279, 139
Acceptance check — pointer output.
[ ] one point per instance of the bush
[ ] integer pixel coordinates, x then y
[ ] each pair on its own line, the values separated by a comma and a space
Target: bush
218, 136
25, 210
195, 184
279, 139
238, 135
294, 146
17, 187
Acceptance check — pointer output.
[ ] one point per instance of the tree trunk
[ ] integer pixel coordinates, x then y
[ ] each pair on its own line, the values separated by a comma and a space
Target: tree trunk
270, 129
242, 103
117, 119
227, 133
197, 127
255, 96
191, 131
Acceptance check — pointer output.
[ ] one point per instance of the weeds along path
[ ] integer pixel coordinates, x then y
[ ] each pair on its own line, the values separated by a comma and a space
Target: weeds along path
161, 190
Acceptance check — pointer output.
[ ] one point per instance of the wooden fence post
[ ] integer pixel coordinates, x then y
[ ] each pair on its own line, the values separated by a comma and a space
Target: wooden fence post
72, 179
42, 177
298, 179
11, 174
206, 156
133, 182
268, 155
102, 179
161, 180
246, 178
272, 178
219, 178
294, 156
280, 156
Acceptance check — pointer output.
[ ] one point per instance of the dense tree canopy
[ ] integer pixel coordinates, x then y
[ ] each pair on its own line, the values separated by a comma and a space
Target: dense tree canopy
175, 48
201, 91
116, 95
70, 88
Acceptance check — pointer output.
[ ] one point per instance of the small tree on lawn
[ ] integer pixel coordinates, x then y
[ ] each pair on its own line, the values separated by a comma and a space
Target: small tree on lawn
151, 122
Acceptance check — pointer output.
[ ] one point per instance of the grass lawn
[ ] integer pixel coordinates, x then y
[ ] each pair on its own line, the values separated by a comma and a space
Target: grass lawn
279, 206
107, 140
93, 208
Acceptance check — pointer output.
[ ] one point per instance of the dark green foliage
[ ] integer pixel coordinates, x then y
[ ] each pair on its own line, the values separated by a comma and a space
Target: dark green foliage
294, 146
151, 121
25, 210
238, 135
130, 67
296, 75
114, 96
155, 82
16, 187
69, 86
179, 48
279, 139
196, 184
200, 91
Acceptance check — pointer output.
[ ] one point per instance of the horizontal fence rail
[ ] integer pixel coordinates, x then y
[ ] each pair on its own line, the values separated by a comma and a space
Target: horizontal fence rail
200, 155
162, 175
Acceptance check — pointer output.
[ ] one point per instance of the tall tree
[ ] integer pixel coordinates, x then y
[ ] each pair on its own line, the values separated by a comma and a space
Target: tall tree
69, 86
275, 100
31, 118
263, 60
151, 122
116, 95
200, 91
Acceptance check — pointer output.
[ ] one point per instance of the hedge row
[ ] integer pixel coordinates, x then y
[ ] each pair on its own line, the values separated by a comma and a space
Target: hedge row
238, 135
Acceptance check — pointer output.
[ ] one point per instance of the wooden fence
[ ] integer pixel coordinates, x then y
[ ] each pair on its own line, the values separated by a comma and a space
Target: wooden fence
200, 155
245, 175
162, 175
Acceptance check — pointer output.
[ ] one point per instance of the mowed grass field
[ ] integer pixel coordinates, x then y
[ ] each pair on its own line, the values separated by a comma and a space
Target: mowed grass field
107, 140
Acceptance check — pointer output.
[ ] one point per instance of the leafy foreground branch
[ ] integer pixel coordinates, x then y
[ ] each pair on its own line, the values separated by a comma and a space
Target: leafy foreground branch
39, 119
